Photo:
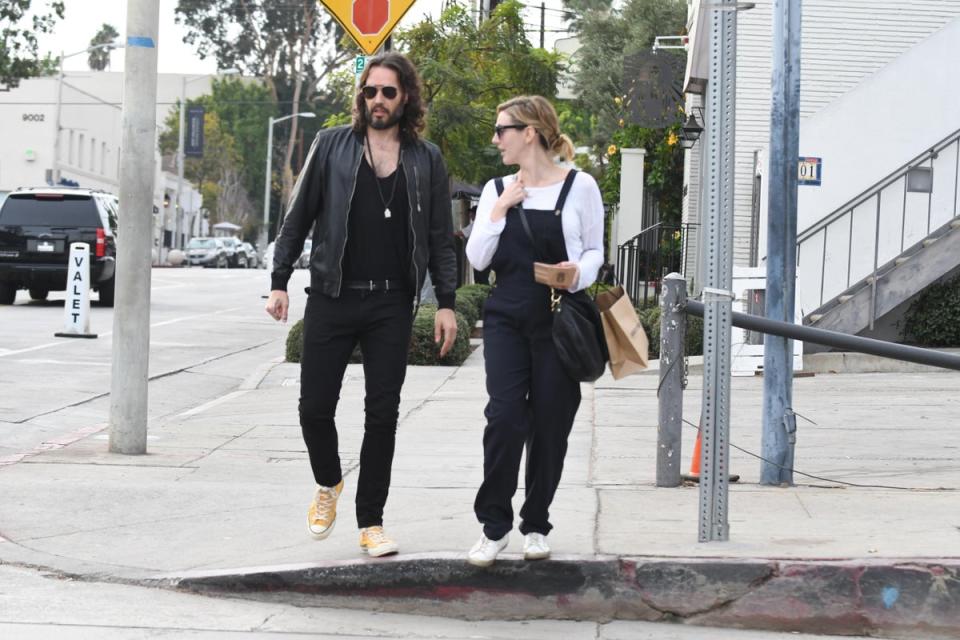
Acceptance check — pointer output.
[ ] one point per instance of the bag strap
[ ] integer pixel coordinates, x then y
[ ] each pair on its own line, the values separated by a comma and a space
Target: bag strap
564, 190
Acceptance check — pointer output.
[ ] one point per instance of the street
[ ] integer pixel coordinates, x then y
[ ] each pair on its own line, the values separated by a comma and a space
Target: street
207, 330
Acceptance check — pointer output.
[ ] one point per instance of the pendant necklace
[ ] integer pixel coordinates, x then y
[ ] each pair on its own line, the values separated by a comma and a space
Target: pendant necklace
376, 179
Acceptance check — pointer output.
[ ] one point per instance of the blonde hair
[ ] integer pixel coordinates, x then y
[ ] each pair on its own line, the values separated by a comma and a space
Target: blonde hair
537, 112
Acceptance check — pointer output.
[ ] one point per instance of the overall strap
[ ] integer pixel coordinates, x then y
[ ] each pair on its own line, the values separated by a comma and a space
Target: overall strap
498, 183
564, 190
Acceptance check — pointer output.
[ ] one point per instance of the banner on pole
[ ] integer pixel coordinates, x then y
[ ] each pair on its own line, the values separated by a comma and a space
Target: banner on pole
193, 137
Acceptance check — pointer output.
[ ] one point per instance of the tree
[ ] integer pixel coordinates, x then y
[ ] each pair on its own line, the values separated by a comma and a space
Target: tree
467, 71
290, 45
99, 59
606, 37
18, 45
230, 173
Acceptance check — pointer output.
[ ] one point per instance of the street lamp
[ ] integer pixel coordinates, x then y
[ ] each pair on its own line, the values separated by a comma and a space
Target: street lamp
178, 215
690, 132
264, 232
55, 162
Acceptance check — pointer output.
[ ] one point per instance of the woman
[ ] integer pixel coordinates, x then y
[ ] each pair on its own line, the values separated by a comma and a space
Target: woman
532, 400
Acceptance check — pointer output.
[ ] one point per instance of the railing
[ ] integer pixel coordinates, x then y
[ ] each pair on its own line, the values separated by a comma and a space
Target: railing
643, 260
673, 327
897, 214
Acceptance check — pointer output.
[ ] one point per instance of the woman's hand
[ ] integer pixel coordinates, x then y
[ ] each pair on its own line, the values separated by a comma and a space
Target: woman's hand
576, 276
513, 194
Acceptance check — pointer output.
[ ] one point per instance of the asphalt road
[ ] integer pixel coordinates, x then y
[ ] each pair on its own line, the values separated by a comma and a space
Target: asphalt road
207, 330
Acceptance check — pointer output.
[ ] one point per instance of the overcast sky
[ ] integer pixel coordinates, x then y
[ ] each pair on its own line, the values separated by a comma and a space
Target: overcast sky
80, 23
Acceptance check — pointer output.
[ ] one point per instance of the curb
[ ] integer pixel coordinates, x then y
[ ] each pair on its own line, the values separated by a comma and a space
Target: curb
850, 597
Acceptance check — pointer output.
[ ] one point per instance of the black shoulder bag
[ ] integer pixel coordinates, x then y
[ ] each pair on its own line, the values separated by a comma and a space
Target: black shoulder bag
577, 328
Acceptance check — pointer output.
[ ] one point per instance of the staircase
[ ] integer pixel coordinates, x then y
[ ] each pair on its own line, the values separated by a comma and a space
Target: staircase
884, 246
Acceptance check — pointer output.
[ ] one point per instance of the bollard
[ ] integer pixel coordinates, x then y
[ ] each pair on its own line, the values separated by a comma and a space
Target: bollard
76, 307
673, 324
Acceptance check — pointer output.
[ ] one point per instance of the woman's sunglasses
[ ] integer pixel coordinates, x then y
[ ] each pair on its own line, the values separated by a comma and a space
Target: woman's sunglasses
370, 92
500, 128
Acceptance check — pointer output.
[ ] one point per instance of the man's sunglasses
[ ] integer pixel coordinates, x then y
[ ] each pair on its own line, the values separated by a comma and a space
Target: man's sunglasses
500, 128
370, 92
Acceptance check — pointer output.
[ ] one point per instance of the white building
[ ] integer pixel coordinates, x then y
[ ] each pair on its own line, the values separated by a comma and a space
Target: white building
88, 154
880, 109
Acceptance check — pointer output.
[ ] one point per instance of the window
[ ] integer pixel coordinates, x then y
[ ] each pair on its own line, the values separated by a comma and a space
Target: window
80, 145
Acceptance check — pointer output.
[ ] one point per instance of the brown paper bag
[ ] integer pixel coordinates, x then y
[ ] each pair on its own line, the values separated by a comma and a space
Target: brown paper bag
626, 339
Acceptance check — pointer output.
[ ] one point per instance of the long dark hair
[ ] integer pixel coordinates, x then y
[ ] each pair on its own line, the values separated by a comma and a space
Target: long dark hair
414, 113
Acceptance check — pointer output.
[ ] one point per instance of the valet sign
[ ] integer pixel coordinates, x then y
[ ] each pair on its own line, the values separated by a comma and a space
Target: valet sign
369, 22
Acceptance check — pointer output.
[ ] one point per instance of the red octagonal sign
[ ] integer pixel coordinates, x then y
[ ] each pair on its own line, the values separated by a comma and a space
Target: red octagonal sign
370, 16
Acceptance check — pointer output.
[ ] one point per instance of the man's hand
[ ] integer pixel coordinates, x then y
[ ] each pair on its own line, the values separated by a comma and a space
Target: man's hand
277, 305
445, 325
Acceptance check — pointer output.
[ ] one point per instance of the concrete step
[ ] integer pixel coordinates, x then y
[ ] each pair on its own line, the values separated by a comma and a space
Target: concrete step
929, 241
844, 298
901, 260
816, 317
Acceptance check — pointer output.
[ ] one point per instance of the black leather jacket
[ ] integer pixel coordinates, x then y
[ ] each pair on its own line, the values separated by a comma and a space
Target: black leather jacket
322, 197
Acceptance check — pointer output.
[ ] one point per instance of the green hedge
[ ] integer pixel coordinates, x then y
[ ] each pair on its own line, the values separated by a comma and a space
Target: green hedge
931, 319
423, 350
650, 319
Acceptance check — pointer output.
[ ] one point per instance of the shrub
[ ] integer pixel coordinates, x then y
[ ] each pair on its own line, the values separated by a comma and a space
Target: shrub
476, 293
650, 319
931, 319
423, 350
467, 307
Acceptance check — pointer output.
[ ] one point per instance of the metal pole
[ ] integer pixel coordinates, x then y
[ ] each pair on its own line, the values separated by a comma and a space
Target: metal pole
718, 275
543, 23
837, 340
778, 435
131, 317
673, 329
55, 163
178, 213
265, 231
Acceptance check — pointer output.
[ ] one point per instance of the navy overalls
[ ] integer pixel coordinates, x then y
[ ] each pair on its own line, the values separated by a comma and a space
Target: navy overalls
532, 399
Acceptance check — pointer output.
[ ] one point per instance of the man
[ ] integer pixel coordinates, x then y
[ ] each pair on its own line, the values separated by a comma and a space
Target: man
377, 197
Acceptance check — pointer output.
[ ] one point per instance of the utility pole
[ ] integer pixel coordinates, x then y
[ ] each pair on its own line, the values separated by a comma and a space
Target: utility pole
779, 422
543, 22
131, 316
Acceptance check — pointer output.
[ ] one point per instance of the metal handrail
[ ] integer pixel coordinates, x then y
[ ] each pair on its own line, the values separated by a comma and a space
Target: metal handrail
641, 263
880, 185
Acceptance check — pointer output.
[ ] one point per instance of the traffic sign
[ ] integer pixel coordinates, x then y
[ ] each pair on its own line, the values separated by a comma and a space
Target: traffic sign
369, 22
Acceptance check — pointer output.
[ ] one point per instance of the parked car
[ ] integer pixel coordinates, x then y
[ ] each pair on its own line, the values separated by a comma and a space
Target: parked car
37, 226
303, 262
207, 252
236, 255
250, 251
267, 262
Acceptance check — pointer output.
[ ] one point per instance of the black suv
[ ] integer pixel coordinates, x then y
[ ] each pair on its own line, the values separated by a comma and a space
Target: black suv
37, 227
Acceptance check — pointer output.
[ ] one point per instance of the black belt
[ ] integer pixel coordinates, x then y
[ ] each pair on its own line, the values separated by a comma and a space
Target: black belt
375, 285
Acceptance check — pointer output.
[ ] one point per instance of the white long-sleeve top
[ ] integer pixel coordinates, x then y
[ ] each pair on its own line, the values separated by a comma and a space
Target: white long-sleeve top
582, 221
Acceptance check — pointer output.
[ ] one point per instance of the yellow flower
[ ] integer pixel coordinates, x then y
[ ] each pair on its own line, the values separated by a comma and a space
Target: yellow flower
618, 100
621, 122
676, 235
672, 139
612, 149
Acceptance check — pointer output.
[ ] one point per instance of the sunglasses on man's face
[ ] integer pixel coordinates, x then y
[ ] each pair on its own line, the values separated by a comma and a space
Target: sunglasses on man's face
500, 128
370, 91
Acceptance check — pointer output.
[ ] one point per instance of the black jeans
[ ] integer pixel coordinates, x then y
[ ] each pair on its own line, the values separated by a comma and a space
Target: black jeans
381, 322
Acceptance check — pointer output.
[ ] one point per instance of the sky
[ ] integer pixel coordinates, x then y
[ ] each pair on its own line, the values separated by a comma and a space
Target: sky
74, 32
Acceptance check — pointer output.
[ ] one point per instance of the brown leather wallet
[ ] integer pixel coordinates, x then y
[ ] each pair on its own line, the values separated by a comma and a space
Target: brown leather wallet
554, 276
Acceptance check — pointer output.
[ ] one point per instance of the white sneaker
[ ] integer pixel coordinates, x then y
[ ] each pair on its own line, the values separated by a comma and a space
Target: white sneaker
485, 551
535, 547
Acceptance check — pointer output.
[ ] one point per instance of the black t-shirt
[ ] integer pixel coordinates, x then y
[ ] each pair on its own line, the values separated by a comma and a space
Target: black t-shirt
378, 247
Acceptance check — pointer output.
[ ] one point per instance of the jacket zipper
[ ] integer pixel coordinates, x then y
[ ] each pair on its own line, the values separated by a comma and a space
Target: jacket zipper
346, 224
413, 230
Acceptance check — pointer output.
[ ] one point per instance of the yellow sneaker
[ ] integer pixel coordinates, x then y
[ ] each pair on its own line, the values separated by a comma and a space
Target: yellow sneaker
376, 543
322, 514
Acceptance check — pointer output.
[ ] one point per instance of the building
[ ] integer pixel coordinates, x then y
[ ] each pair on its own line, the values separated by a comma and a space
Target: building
879, 122
90, 130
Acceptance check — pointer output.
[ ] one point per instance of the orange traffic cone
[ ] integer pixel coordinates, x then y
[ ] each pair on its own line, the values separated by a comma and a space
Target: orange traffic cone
694, 475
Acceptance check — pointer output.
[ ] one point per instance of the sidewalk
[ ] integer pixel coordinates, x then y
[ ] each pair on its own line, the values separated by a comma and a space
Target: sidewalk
219, 504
